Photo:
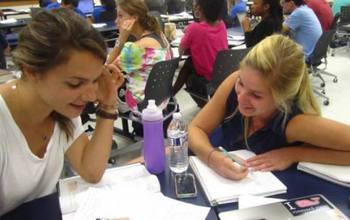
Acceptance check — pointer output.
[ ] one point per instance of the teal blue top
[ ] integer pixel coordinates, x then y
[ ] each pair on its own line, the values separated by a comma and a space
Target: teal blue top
337, 4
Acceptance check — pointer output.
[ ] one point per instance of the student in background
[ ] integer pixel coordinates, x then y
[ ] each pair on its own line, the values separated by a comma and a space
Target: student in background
268, 107
202, 40
239, 6
136, 59
271, 15
61, 58
302, 24
4, 46
69, 4
107, 12
44, 3
323, 12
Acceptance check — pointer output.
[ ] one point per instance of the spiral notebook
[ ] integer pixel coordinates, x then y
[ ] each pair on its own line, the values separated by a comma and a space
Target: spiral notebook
220, 190
336, 174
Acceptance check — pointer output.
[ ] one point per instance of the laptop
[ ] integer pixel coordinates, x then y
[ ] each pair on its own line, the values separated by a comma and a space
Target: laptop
313, 207
86, 6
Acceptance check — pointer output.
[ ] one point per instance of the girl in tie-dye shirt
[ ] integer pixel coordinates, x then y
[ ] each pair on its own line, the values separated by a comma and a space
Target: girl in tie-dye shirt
137, 63
136, 59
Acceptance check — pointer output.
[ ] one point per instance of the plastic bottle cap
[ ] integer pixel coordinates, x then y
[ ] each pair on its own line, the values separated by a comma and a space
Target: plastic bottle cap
152, 104
177, 115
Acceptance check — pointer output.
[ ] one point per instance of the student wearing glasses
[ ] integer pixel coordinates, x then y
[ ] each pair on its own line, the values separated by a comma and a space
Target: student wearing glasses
268, 107
61, 58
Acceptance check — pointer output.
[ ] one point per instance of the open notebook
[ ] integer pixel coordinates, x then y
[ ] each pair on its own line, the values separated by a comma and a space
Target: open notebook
336, 174
220, 190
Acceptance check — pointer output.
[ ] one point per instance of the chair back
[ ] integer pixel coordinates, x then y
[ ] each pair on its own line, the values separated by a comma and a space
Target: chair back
226, 62
159, 84
345, 15
335, 21
321, 47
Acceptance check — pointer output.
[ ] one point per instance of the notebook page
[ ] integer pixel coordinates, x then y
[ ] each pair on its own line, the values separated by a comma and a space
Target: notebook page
221, 190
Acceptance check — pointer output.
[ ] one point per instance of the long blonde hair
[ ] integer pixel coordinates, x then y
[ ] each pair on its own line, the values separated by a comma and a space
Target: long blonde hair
281, 62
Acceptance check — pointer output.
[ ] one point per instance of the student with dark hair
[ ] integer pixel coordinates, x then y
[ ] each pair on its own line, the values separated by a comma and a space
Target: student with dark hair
68, 4
61, 58
202, 40
302, 24
268, 107
271, 15
107, 12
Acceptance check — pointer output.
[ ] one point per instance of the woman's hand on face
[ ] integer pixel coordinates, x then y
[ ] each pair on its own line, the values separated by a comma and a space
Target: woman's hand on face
125, 29
109, 82
279, 159
226, 167
246, 24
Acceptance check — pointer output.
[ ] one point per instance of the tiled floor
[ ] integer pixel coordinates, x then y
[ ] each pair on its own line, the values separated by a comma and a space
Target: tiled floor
338, 109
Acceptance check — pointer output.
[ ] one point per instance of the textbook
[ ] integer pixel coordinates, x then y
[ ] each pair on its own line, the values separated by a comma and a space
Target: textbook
220, 190
334, 173
312, 207
133, 176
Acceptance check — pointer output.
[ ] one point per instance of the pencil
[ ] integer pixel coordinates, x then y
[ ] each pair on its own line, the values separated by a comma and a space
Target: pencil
231, 156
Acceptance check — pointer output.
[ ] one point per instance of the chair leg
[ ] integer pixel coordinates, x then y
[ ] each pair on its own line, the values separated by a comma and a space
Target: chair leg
317, 74
335, 78
326, 98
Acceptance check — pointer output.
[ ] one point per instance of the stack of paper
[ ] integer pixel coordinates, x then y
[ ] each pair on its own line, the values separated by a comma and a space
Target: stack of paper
220, 190
336, 174
128, 192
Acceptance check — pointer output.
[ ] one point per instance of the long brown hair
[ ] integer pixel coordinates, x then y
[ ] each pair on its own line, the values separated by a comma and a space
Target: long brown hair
47, 41
138, 8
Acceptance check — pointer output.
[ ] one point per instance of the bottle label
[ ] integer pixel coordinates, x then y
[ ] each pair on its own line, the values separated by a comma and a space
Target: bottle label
178, 141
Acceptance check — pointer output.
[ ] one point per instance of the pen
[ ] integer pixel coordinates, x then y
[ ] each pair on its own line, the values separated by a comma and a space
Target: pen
231, 156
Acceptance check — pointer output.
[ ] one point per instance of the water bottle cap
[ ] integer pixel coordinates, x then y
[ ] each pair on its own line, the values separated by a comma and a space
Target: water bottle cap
177, 115
152, 104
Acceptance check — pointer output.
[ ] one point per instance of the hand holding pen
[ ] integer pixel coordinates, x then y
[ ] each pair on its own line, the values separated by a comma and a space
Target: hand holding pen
226, 167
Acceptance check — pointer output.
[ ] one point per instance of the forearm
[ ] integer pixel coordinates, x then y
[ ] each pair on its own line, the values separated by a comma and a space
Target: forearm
320, 155
199, 143
98, 150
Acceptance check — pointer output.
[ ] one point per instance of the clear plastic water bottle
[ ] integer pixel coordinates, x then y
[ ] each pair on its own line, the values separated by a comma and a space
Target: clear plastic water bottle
153, 146
177, 135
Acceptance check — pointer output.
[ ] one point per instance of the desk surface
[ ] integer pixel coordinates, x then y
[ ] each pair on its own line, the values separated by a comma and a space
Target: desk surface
301, 184
18, 23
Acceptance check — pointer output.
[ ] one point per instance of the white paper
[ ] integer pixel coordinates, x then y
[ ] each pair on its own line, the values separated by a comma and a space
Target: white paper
8, 21
247, 201
220, 190
135, 205
134, 176
98, 25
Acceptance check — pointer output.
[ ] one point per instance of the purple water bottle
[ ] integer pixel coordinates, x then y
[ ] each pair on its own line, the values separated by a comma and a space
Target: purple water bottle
153, 146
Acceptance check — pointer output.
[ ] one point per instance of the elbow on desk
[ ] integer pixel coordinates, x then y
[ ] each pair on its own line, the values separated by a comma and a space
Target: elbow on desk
93, 177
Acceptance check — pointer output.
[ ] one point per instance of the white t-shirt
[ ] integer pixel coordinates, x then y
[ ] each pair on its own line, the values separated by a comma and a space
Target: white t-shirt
23, 175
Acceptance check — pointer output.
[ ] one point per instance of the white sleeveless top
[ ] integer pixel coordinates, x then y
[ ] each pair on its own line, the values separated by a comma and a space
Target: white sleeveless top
23, 175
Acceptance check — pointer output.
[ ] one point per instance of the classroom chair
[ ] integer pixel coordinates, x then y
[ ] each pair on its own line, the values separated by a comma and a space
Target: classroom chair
342, 34
159, 87
318, 57
226, 62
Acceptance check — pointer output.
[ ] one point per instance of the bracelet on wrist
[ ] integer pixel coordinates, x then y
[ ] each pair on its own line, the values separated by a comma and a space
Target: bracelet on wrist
107, 107
106, 115
209, 155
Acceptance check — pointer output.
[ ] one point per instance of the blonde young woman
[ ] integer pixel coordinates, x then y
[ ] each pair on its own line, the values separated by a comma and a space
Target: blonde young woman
267, 106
